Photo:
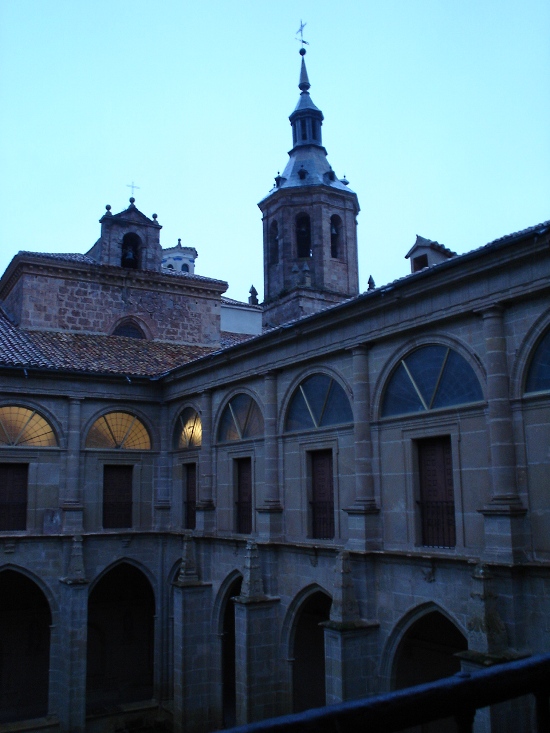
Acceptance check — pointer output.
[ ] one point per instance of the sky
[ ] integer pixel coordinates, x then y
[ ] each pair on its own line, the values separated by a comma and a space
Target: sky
436, 111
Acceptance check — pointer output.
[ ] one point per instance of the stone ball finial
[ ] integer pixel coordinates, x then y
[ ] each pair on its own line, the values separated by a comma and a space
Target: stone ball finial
132, 200
155, 217
108, 207
302, 51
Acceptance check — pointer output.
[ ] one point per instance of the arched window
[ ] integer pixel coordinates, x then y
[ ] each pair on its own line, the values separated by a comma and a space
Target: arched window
185, 268
240, 420
119, 430
317, 402
429, 378
335, 236
129, 329
538, 376
22, 427
303, 235
130, 251
274, 243
188, 433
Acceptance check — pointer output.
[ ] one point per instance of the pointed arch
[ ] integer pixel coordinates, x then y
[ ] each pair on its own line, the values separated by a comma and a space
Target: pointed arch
224, 620
120, 649
429, 620
24, 647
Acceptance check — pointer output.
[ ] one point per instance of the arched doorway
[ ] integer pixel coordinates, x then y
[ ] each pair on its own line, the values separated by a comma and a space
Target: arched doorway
229, 690
308, 670
425, 654
121, 611
25, 621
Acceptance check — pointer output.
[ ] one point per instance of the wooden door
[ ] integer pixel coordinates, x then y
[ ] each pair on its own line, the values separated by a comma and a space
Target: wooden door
244, 495
117, 497
436, 492
322, 495
190, 495
13, 496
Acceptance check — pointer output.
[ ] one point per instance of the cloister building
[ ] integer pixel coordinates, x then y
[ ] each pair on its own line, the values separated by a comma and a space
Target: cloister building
200, 527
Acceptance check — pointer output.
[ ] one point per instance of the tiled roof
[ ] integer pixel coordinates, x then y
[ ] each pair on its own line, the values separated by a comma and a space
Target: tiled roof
63, 256
231, 339
92, 353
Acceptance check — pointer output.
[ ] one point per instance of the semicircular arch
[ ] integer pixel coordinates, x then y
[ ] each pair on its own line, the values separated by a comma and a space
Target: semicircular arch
240, 416
539, 331
114, 425
24, 423
448, 346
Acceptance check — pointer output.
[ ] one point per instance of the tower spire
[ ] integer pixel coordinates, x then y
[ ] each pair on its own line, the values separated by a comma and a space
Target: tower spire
304, 84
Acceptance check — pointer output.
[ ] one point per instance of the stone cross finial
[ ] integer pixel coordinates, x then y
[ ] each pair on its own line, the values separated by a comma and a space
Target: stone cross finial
345, 608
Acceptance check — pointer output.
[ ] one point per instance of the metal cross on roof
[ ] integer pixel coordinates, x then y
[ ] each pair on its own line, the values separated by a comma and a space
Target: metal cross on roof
132, 186
301, 32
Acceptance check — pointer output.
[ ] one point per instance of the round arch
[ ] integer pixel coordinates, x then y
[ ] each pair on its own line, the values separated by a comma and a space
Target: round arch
151, 430
423, 614
185, 411
525, 352
222, 411
42, 412
408, 348
300, 379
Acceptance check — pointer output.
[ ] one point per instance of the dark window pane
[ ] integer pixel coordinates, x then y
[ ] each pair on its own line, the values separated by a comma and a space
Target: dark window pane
458, 384
401, 397
298, 417
316, 390
425, 367
538, 377
337, 409
244, 495
190, 495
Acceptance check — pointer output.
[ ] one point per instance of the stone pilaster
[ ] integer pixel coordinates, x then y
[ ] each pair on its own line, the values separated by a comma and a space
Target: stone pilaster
192, 639
206, 516
70, 675
71, 504
504, 515
350, 642
256, 645
364, 514
270, 513
162, 488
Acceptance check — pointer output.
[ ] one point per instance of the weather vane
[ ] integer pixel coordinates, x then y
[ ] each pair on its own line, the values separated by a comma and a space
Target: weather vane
132, 186
301, 32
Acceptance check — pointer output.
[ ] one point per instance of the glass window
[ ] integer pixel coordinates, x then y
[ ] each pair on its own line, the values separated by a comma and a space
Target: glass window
429, 378
538, 376
120, 430
318, 401
22, 427
241, 419
188, 430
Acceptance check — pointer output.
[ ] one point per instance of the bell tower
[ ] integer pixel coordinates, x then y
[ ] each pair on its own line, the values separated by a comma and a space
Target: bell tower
309, 225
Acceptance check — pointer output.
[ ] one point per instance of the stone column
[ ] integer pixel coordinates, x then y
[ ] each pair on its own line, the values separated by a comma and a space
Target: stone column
256, 645
351, 647
162, 498
192, 641
363, 515
205, 502
71, 506
70, 671
504, 532
270, 513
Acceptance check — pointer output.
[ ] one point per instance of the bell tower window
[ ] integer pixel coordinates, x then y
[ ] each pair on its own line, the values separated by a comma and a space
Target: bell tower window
303, 235
274, 243
130, 251
335, 237
303, 127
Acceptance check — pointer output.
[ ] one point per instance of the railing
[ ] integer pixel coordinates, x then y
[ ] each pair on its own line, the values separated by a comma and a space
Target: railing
438, 523
457, 697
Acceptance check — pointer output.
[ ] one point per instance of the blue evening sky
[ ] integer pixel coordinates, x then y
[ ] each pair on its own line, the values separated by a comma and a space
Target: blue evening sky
437, 111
